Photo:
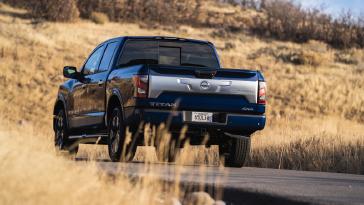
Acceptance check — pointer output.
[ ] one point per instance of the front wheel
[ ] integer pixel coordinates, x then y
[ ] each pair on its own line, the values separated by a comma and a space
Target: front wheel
238, 152
120, 147
61, 141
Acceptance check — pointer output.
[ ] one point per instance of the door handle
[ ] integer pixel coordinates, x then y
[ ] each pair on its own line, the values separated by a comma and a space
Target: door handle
100, 83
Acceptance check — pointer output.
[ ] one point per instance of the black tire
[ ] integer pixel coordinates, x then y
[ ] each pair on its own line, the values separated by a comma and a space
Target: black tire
116, 138
238, 153
61, 140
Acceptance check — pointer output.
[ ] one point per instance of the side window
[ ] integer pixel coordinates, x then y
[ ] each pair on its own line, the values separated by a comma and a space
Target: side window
108, 54
93, 61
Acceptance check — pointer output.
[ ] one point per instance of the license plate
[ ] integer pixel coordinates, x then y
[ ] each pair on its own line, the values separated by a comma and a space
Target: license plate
201, 117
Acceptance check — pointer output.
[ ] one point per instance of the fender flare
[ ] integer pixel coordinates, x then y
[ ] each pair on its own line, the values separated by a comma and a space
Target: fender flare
114, 92
61, 98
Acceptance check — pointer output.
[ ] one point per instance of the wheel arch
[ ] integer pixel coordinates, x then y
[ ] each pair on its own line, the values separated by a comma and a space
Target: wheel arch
113, 101
60, 104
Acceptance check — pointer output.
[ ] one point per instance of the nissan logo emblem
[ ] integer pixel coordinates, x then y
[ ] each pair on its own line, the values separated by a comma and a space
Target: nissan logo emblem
205, 85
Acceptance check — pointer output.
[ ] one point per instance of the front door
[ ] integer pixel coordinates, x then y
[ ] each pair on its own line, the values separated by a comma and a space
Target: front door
82, 105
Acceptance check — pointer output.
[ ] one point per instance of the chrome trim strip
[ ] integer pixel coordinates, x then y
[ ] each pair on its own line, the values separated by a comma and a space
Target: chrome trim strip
95, 114
86, 136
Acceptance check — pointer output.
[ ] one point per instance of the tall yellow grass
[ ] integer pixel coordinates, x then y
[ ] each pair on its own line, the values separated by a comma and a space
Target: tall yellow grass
327, 144
32, 174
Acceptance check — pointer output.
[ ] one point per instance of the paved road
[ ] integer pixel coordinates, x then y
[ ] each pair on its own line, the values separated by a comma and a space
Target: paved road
257, 186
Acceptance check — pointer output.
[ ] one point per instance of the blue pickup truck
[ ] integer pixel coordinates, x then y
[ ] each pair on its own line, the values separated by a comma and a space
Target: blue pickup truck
130, 81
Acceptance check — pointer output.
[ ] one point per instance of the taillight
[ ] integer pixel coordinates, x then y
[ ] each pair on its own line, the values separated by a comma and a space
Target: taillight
141, 86
262, 93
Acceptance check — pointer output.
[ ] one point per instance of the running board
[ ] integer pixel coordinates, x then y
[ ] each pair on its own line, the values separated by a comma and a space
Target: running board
84, 136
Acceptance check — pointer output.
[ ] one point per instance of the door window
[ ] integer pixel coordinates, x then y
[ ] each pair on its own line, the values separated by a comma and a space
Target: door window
93, 61
108, 55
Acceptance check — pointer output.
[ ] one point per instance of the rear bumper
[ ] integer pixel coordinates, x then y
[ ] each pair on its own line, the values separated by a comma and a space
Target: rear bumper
235, 123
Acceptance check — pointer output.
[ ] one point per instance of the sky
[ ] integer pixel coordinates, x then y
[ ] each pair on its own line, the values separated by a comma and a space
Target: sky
334, 7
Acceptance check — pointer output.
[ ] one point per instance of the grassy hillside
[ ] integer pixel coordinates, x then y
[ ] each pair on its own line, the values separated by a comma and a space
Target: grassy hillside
316, 103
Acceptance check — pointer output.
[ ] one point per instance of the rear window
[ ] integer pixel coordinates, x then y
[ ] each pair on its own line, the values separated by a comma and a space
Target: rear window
174, 53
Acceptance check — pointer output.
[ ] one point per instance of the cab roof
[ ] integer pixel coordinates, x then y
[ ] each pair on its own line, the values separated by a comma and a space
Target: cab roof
121, 38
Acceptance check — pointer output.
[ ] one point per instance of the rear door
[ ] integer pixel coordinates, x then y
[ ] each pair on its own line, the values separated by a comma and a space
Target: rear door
96, 88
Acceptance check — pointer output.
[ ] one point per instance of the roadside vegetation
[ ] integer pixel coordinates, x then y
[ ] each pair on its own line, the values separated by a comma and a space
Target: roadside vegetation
316, 98
263, 18
34, 173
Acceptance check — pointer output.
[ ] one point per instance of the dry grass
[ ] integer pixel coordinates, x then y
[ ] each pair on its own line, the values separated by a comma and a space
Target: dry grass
37, 174
327, 144
33, 174
301, 96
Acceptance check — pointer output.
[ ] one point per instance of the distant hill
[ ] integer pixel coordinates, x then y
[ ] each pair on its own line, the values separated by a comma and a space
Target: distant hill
278, 19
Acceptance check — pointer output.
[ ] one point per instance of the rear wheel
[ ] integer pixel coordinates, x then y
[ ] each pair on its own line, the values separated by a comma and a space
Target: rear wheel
120, 148
238, 152
61, 141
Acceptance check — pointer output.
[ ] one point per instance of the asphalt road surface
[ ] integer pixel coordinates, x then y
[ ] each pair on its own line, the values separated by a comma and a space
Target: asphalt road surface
254, 185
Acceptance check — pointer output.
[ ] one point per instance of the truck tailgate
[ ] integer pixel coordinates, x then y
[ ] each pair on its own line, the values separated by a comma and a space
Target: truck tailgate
226, 90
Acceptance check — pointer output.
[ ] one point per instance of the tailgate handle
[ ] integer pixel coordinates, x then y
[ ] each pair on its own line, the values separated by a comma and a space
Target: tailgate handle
185, 82
205, 73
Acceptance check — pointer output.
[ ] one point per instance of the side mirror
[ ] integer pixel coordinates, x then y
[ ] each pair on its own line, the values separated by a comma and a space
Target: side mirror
70, 72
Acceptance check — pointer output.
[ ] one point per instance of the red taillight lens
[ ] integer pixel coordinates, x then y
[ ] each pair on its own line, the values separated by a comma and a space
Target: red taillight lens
262, 93
141, 86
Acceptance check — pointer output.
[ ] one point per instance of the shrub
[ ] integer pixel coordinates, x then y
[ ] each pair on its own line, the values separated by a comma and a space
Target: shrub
112, 8
148, 11
162, 11
99, 18
300, 58
348, 57
290, 55
17, 3
299, 24
56, 10
311, 58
